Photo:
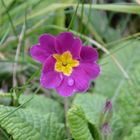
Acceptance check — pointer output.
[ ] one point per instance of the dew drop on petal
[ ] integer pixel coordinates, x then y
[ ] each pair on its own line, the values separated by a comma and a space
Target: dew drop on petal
70, 81
74, 90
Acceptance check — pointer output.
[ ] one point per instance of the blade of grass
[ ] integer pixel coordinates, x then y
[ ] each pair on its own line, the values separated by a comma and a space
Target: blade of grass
117, 91
82, 12
89, 14
18, 54
90, 28
34, 28
23, 48
57, 6
10, 19
117, 49
123, 39
124, 8
28, 81
4, 37
73, 17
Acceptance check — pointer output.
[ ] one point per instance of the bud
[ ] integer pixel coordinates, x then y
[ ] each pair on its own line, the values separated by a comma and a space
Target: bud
106, 130
108, 106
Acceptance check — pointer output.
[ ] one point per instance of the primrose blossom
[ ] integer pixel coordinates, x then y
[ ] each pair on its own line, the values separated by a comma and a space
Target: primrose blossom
68, 65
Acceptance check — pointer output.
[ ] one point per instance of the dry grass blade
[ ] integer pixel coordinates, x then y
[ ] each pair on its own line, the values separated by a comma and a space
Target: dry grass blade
17, 55
10, 19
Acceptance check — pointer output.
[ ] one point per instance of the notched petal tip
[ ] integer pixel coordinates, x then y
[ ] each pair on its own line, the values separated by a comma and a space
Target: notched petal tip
76, 48
45, 37
47, 41
68, 34
64, 42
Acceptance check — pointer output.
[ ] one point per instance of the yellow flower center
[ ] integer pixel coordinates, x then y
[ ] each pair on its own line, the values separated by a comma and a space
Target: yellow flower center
65, 63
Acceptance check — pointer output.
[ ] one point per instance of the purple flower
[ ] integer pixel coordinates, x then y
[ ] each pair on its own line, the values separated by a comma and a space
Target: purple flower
68, 66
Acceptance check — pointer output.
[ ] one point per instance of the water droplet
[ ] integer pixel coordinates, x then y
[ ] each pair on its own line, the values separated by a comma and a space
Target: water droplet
70, 81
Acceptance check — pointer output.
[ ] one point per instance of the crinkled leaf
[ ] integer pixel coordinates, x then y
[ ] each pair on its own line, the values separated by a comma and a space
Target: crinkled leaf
29, 125
42, 105
80, 128
112, 79
92, 105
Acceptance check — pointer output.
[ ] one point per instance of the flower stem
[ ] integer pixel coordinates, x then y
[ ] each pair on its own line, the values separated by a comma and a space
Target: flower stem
65, 113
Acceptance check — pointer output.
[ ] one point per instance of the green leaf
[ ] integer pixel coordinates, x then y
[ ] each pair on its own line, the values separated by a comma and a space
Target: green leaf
135, 134
60, 19
29, 125
117, 126
111, 79
124, 8
43, 105
97, 24
124, 92
128, 109
92, 104
86, 114
80, 128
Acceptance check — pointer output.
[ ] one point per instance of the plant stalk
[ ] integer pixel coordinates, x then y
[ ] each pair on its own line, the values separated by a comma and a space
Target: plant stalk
65, 113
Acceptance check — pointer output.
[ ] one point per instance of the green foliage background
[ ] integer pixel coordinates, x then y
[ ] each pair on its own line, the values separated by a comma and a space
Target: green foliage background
29, 112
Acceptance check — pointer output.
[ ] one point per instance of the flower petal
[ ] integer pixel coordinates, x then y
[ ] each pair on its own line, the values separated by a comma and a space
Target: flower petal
76, 48
66, 87
38, 53
50, 78
47, 42
88, 54
42, 51
64, 41
81, 79
92, 69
